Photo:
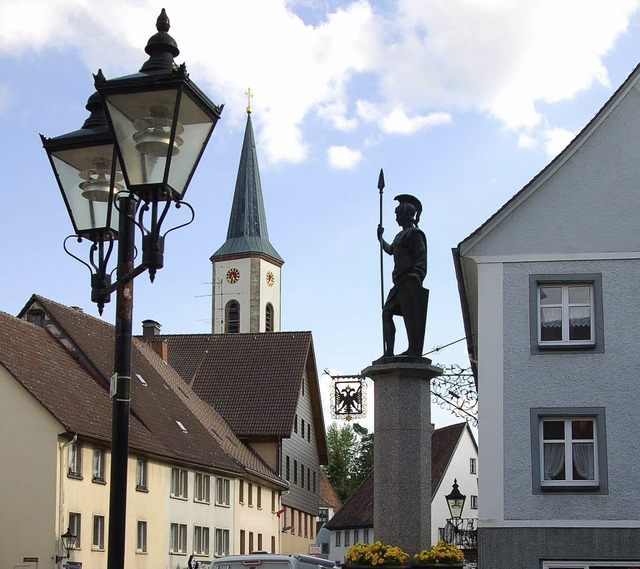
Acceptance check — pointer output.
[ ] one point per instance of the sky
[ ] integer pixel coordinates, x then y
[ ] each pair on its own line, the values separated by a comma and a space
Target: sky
461, 102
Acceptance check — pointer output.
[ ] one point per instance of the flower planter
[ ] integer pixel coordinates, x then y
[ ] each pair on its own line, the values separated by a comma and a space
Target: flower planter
355, 566
437, 565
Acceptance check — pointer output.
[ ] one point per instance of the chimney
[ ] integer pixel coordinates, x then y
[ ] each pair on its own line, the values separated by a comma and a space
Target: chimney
433, 427
160, 347
150, 328
150, 334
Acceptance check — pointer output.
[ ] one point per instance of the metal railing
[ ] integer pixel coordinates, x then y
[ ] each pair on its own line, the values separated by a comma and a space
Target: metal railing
462, 532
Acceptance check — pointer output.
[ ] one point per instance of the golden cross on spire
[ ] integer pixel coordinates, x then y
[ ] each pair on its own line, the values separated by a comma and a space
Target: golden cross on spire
249, 94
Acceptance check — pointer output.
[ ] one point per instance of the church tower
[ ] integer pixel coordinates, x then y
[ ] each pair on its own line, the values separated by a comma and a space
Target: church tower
246, 269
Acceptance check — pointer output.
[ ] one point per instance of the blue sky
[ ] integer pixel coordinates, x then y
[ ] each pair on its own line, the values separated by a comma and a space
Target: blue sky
461, 102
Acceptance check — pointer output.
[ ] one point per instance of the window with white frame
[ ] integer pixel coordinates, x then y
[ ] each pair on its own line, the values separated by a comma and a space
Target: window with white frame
98, 533
347, 541
202, 491
141, 537
223, 487
98, 465
200, 540
179, 481
365, 536
178, 538
141, 475
75, 526
356, 536
473, 466
566, 312
222, 542
75, 459
338, 536
569, 449
473, 502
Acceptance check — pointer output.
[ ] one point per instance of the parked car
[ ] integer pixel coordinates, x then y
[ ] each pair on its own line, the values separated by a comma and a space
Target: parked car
263, 560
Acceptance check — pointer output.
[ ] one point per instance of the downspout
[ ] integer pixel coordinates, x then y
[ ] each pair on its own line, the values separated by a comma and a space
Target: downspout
61, 489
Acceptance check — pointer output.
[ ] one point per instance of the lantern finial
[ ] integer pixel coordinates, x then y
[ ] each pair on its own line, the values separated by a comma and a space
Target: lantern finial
161, 47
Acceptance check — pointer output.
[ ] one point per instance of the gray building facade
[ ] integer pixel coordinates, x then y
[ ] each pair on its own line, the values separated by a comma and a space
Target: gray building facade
548, 291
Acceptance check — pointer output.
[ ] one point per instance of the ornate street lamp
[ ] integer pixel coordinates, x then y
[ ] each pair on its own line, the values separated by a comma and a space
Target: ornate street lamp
68, 539
161, 122
157, 123
455, 501
86, 168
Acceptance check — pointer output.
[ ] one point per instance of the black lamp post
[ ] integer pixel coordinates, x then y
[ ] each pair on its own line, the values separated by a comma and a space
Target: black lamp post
68, 539
137, 151
455, 501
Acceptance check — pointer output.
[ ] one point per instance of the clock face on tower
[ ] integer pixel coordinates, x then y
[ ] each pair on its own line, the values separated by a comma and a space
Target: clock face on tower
233, 275
270, 278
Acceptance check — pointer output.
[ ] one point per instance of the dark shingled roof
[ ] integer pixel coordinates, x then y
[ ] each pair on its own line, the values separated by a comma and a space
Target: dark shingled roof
84, 406
252, 380
247, 231
357, 511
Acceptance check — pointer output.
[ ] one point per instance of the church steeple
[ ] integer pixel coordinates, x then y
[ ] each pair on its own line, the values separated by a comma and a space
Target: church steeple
247, 232
246, 269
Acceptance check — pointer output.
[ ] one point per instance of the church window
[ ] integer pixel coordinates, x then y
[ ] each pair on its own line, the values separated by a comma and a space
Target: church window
232, 317
268, 325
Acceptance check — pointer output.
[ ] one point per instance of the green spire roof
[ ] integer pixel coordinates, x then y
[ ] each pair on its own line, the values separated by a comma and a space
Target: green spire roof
247, 231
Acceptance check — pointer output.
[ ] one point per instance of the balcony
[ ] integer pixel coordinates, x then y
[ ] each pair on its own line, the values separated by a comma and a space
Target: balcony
463, 532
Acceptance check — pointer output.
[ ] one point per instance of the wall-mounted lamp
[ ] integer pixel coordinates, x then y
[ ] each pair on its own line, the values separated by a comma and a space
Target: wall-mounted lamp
68, 539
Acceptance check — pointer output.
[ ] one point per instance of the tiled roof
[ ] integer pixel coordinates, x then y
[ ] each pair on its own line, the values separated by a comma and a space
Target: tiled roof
58, 382
327, 495
443, 444
156, 405
357, 511
252, 380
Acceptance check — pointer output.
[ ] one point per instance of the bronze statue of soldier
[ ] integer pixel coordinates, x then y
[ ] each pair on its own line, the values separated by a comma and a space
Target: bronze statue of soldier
407, 297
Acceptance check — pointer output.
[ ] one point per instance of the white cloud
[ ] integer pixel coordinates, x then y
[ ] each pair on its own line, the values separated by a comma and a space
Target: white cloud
556, 140
397, 121
343, 157
336, 113
421, 61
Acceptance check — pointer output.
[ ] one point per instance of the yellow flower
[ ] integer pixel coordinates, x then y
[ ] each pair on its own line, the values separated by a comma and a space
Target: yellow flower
375, 554
441, 554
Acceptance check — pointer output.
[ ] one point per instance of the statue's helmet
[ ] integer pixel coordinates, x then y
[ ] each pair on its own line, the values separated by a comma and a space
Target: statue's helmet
412, 201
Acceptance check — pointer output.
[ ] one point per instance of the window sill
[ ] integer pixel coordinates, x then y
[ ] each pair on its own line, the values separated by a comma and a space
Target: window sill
565, 489
75, 476
140, 552
183, 553
205, 502
96, 548
183, 498
99, 481
142, 489
222, 505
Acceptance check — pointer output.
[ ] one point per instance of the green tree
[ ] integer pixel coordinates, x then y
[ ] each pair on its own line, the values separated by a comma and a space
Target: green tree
350, 457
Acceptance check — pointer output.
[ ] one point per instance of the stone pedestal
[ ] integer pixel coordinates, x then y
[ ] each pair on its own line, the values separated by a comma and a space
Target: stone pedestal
402, 451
